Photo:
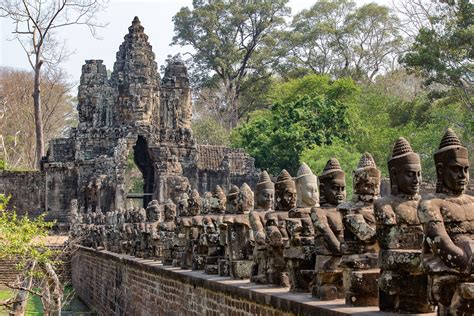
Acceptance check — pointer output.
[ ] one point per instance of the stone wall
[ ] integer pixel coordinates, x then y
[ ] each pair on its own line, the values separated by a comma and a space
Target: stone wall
8, 272
113, 284
26, 189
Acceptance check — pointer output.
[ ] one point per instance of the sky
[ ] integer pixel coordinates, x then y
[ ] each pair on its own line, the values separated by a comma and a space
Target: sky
155, 15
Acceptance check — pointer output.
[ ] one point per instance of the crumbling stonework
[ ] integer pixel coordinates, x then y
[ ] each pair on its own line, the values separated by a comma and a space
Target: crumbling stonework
134, 112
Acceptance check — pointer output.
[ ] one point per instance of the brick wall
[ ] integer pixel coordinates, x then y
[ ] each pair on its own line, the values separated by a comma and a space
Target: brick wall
114, 284
8, 272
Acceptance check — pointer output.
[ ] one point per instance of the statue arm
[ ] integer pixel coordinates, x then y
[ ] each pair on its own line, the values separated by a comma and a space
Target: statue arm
441, 244
359, 227
322, 227
258, 228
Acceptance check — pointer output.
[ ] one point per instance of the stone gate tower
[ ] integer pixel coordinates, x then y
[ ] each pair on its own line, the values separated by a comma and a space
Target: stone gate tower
134, 111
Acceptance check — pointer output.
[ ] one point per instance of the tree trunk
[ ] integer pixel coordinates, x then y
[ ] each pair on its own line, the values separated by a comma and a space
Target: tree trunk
52, 292
21, 297
38, 115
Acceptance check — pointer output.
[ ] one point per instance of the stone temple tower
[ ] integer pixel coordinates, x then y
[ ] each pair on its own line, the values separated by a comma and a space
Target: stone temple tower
135, 113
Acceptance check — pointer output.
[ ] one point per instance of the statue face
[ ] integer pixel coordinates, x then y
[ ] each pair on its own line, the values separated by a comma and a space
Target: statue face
335, 190
368, 185
170, 213
232, 204
455, 175
309, 193
288, 198
265, 198
245, 202
408, 179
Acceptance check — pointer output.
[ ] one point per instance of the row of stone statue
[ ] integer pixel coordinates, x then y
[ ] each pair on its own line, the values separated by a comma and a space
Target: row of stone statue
404, 252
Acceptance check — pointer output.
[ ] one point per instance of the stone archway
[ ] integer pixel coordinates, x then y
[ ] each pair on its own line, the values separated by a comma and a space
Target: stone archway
144, 162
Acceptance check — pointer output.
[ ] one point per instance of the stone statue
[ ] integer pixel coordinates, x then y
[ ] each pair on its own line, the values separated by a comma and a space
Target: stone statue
239, 235
275, 227
182, 221
264, 192
228, 220
328, 228
212, 236
190, 232
359, 247
299, 254
448, 222
402, 283
167, 232
206, 203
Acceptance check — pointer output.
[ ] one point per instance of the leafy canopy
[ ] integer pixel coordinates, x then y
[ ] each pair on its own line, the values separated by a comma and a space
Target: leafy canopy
309, 111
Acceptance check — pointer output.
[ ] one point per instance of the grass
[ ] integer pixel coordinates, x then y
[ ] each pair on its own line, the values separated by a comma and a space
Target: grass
34, 307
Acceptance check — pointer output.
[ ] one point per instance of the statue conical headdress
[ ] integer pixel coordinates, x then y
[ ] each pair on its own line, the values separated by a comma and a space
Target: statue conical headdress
245, 188
234, 190
402, 154
305, 174
285, 180
450, 147
264, 182
366, 161
332, 166
218, 192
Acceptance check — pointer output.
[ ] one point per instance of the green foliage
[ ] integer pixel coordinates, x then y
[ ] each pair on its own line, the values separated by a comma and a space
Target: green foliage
317, 156
444, 52
133, 176
308, 111
23, 239
3, 164
232, 41
335, 37
208, 131
34, 307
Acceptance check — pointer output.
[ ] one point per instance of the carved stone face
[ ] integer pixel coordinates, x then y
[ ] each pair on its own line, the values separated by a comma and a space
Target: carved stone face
265, 199
245, 202
194, 203
232, 203
287, 198
334, 189
308, 193
367, 184
408, 178
170, 211
454, 174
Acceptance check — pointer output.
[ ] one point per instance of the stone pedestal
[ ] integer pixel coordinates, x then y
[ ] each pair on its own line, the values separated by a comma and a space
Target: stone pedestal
300, 263
361, 287
328, 283
241, 269
224, 267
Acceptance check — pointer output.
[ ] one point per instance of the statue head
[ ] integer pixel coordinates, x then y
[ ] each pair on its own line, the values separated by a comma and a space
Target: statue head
285, 192
218, 201
265, 191
170, 210
405, 169
206, 203
452, 165
153, 213
332, 183
245, 199
307, 192
232, 199
183, 205
194, 205
366, 178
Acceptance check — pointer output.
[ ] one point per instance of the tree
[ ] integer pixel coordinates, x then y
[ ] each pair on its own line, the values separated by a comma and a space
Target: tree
233, 42
443, 52
17, 141
35, 23
277, 137
335, 37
